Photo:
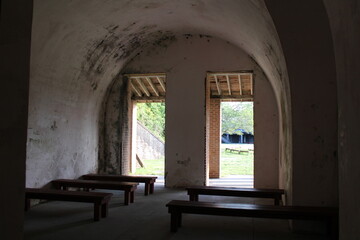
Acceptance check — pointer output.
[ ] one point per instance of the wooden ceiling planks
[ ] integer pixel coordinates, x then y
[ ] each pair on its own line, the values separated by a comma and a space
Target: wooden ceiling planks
147, 87
231, 85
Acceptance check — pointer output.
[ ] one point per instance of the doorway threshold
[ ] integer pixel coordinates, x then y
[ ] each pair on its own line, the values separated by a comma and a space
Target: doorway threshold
241, 181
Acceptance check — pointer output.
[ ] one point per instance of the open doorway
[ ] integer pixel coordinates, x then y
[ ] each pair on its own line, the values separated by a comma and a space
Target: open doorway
237, 143
150, 138
231, 129
148, 124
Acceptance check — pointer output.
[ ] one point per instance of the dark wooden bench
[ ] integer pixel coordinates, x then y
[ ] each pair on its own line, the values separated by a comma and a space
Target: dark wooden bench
328, 214
128, 187
275, 194
239, 151
100, 200
148, 180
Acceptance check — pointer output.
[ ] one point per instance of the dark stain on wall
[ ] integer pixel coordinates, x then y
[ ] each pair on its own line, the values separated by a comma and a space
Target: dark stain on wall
271, 55
94, 86
184, 162
152, 5
113, 151
120, 45
53, 126
188, 35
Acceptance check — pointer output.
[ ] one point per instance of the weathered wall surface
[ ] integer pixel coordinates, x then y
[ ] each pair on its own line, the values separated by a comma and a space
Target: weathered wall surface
114, 147
185, 62
266, 130
15, 36
307, 45
308, 49
77, 53
344, 19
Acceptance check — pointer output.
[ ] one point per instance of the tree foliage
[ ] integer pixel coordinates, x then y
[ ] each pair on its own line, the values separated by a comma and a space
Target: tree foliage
237, 115
152, 116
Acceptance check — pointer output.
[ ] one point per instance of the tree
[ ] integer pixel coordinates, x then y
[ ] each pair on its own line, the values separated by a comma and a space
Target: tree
152, 116
236, 116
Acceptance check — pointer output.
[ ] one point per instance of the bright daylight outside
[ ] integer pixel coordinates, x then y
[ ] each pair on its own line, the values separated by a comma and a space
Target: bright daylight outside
237, 142
237, 139
150, 138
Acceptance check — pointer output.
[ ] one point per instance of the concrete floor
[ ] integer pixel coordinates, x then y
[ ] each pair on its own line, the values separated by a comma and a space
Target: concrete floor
148, 218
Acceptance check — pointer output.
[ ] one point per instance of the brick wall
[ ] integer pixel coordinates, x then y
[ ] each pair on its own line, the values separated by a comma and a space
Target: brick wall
214, 138
125, 144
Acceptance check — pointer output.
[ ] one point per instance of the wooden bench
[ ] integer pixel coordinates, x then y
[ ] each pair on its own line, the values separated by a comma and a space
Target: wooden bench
148, 180
239, 151
177, 207
100, 200
128, 187
275, 194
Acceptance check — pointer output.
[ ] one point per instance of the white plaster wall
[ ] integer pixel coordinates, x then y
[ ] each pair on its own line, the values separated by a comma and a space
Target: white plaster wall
186, 60
111, 147
266, 129
307, 46
69, 76
308, 50
344, 18
79, 47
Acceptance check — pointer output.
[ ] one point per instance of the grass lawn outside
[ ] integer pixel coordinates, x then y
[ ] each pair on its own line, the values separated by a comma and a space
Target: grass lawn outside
152, 167
231, 163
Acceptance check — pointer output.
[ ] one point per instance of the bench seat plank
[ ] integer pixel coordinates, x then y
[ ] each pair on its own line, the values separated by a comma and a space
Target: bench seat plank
100, 200
148, 180
239, 151
194, 192
128, 187
177, 207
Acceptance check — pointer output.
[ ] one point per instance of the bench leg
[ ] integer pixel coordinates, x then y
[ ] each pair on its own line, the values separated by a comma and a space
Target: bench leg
27, 204
132, 196
333, 228
152, 187
277, 201
104, 210
147, 189
194, 197
179, 221
175, 221
97, 211
126, 197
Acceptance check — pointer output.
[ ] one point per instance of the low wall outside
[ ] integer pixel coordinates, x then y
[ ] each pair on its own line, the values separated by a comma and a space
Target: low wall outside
148, 146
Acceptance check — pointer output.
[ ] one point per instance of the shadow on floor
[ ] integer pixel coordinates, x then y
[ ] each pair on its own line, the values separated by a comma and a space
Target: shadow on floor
148, 218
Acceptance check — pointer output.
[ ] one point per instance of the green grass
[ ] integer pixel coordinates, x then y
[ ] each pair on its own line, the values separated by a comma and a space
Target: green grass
152, 167
231, 163
234, 163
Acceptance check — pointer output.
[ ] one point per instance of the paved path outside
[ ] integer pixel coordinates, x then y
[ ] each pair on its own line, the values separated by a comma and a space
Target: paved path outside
242, 181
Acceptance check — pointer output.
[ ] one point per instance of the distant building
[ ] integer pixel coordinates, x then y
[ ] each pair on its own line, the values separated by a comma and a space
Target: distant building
242, 137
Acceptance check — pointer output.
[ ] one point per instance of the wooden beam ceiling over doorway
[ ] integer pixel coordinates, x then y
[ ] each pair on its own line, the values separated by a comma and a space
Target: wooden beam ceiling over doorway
147, 87
236, 86
229, 86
